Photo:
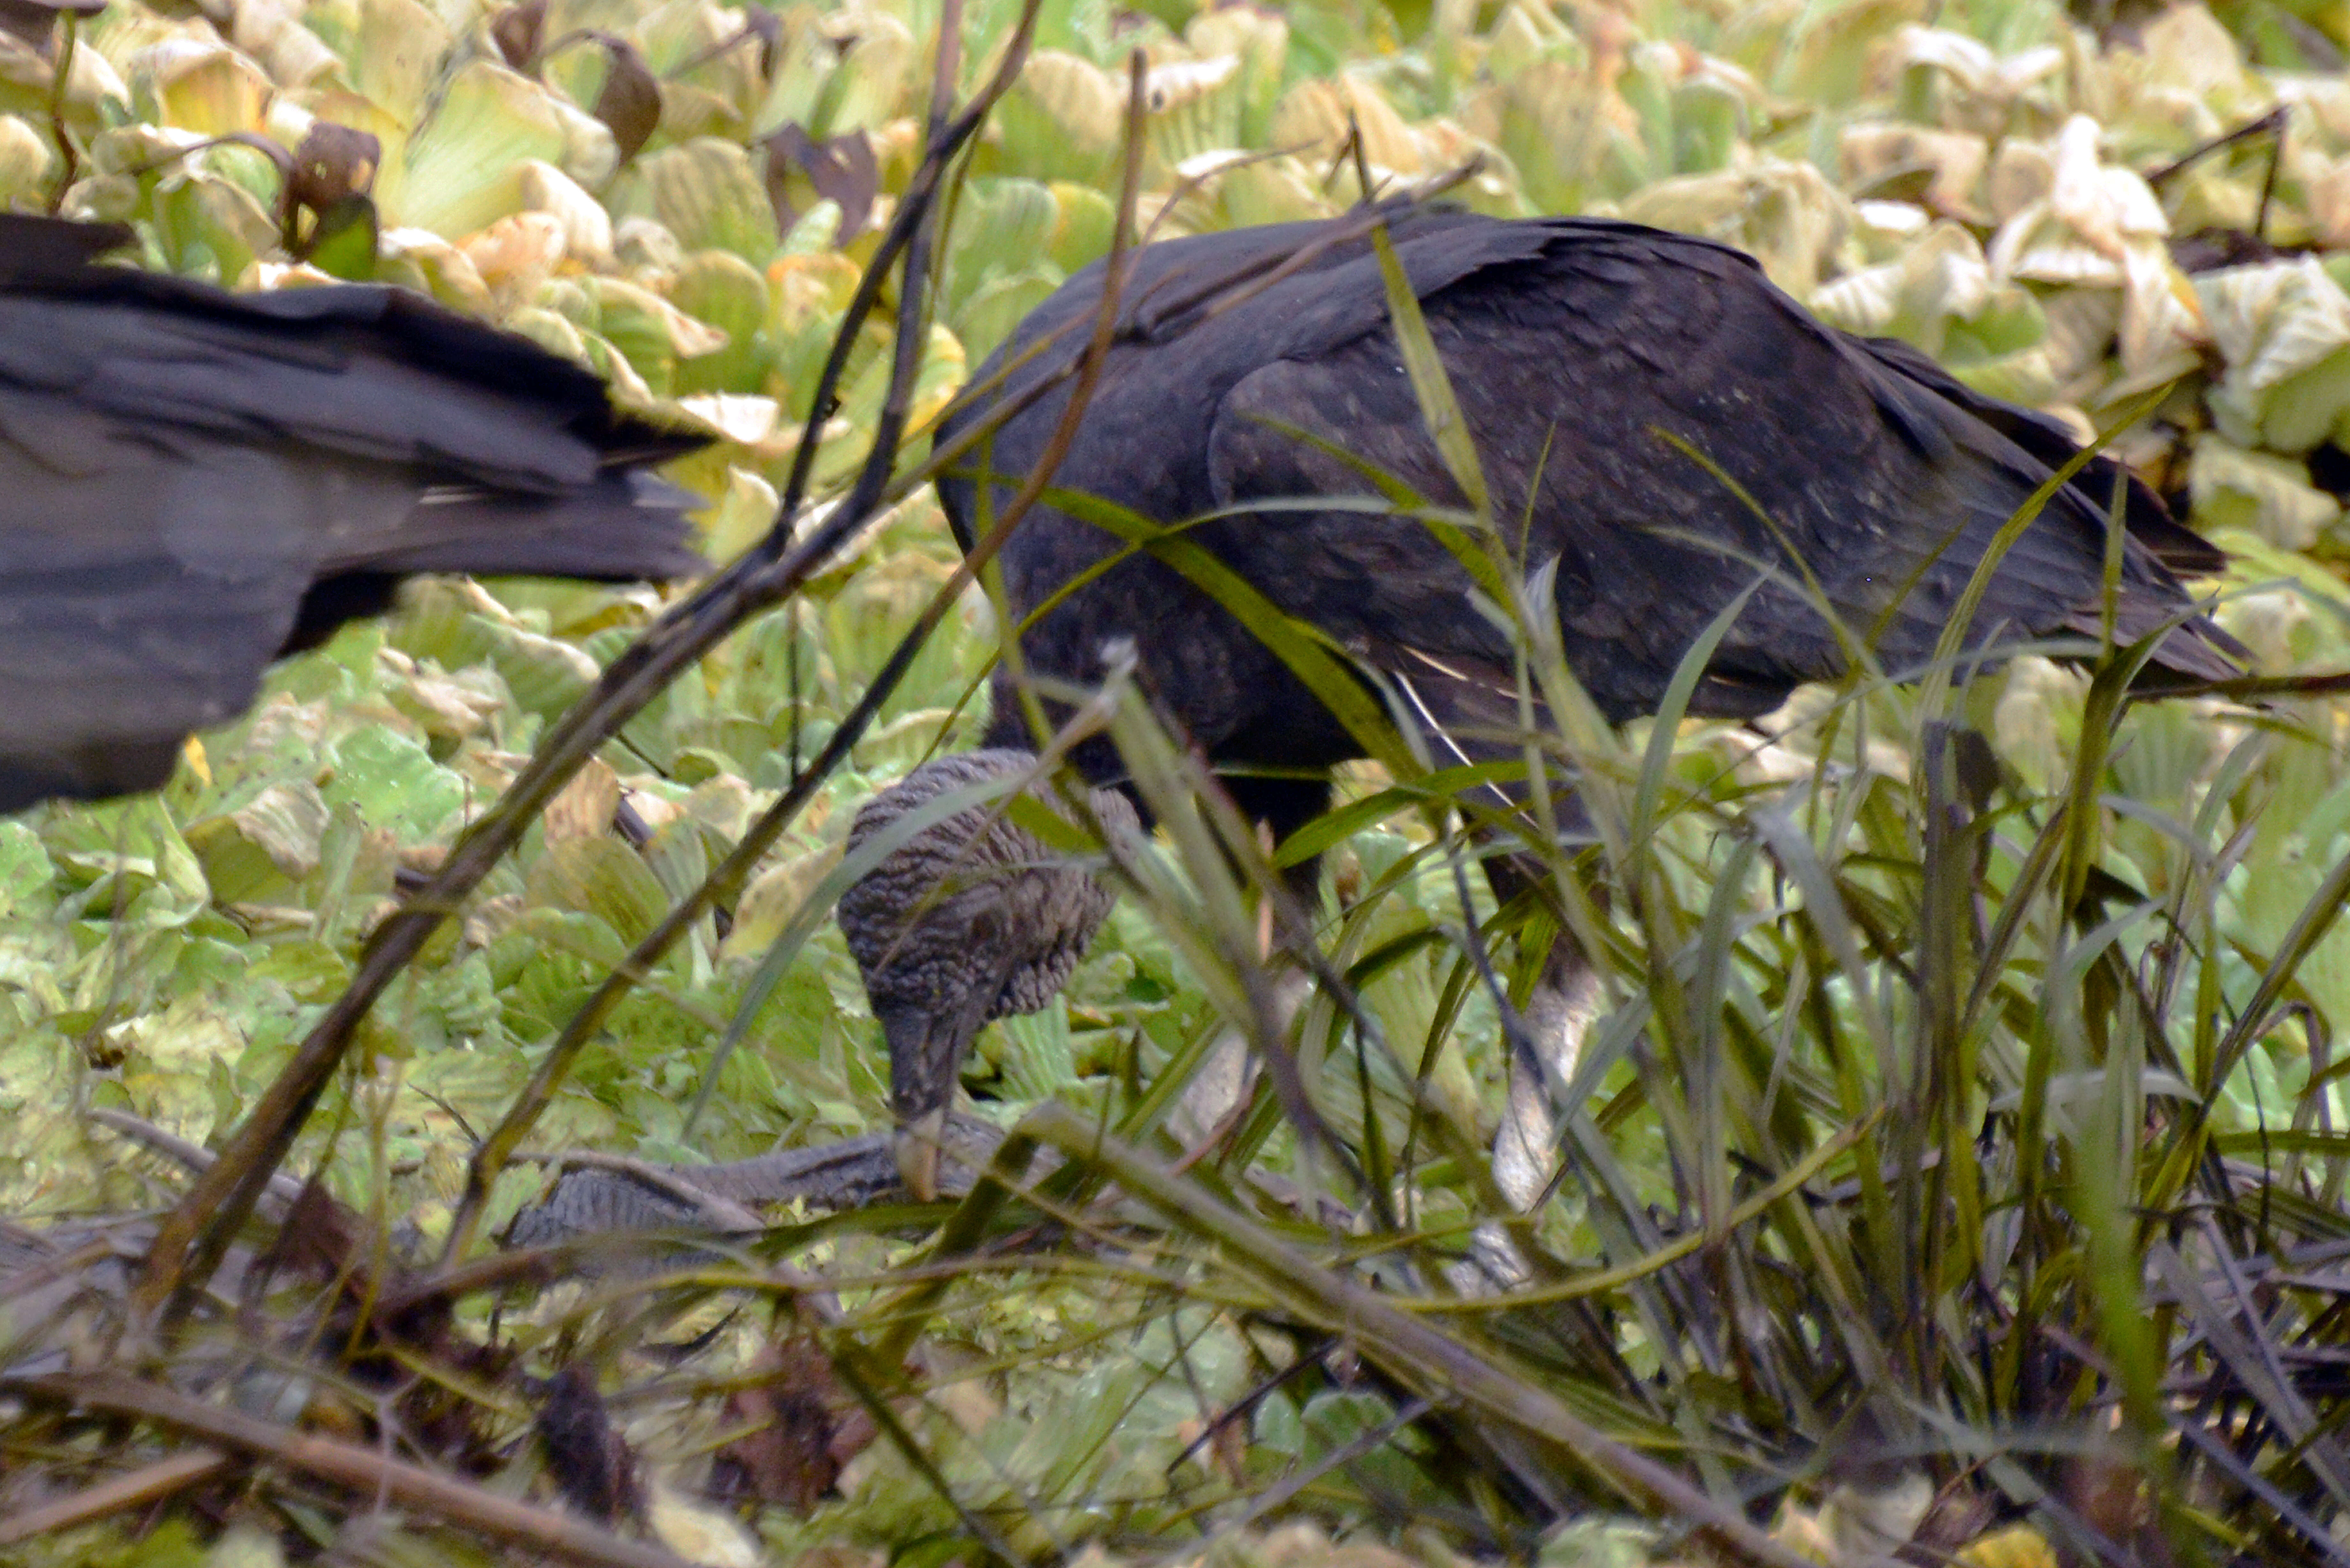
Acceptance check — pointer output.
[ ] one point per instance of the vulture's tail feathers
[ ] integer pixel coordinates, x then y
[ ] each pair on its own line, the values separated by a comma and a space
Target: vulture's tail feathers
627, 527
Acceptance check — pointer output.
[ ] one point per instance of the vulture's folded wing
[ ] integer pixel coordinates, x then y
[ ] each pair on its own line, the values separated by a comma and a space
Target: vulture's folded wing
193, 482
1670, 429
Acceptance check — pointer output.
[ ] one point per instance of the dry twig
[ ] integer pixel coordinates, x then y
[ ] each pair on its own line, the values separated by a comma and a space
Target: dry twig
362, 1470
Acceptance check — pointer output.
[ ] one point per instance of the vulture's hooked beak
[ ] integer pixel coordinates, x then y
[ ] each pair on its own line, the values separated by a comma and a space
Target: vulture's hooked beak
926, 1052
918, 1154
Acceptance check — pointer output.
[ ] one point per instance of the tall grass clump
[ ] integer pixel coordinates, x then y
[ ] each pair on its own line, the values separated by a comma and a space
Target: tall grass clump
1953, 1170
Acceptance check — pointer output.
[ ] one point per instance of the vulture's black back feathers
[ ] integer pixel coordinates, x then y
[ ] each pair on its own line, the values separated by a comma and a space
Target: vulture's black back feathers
1581, 351
193, 482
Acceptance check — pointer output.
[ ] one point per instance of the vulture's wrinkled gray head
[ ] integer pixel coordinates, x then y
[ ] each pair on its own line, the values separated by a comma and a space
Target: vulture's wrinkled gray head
971, 919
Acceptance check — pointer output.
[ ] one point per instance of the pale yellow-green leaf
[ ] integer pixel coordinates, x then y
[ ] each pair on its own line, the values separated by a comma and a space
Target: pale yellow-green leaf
1786, 215
1878, 1518
95, 94
1835, 45
2017, 1546
1940, 276
1238, 192
2025, 377
939, 378
2267, 493
1526, 33
1063, 120
1085, 222
1193, 106
126, 147
257, 852
423, 261
1596, 1540
688, 111
683, 30
587, 227
644, 246
807, 62
517, 255
1004, 226
651, 332
871, 80
772, 900
27, 872
550, 331
1260, 40
2282, 328
1954, 161
396, 54
448, 706
461, 170
272, 33
450, 620
699, 1533
245, 1546
2185, 47
601, 877
1315, 116
546, 674
211, 89
1551, 122
988, 316
24, 159
746, 511
212, 225
2022, 172
726, 295
708, 194
185, 1038
629, 388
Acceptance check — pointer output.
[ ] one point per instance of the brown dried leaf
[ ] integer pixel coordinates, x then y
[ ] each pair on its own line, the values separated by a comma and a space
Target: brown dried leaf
319, 1240
629, 103
768, 29
807, 1429
584, 808
518, 31
332, 163
35, 20
330, 176
842, 170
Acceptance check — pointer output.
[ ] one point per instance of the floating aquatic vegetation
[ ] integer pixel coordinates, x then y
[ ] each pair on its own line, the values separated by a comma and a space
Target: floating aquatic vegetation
632, 184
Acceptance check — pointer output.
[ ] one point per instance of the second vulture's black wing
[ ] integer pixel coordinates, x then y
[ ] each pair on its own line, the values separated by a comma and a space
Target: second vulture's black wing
1172, 289
1654, 415
192, 482
1581, 352
2050, 442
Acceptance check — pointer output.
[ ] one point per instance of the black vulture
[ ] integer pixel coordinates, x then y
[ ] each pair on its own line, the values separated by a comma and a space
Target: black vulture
1589, 358
194, 482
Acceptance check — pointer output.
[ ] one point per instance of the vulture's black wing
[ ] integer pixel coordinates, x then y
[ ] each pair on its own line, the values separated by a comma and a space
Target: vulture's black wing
192, 482
1590, 365
1173, 287
2050, 442
1586, 355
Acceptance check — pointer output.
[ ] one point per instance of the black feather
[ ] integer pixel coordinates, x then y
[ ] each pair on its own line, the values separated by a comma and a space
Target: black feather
1585, 355
193, 483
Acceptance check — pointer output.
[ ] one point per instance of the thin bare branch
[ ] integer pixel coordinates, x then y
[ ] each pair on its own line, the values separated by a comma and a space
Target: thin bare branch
362, 1470
194, 1236
133, 1489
